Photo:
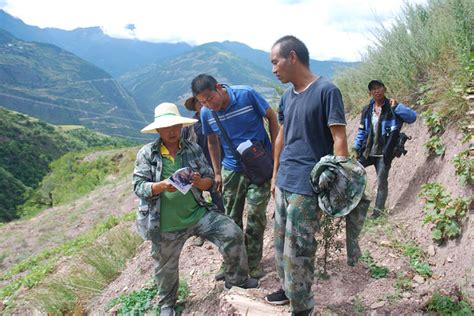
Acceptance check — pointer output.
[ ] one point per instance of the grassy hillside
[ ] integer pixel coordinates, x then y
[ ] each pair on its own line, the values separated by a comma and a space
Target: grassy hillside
54, 85
423, 58
28, 146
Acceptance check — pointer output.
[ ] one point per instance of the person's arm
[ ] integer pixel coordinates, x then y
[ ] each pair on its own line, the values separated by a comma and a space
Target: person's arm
272, 126
143, 184
215, 153
164, 185
340, 140
402, 111
277, 148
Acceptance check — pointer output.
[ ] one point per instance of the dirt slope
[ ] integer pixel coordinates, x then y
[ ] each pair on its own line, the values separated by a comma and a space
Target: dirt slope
348, 290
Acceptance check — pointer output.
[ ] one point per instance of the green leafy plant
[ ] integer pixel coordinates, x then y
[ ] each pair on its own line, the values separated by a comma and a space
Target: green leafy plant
376, 271
330, 228
467, 133
464, 167
416, 255
434, 121
139, 302
136, 302
434, 145
443, 212
357, 306
449, 305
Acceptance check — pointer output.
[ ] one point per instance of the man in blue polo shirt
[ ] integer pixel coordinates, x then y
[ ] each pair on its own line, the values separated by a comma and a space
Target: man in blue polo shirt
241, 111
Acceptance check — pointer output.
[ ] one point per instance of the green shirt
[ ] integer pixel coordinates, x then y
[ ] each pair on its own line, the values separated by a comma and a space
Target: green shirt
178, 211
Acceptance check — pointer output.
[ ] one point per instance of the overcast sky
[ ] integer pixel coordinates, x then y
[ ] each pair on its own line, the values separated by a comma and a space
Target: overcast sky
332, 29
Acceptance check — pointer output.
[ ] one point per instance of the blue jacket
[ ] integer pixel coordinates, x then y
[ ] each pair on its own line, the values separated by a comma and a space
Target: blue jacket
390, 124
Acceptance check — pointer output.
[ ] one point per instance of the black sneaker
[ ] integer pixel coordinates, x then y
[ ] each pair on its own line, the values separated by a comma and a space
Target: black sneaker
308, 312
220, 275
250, 283
277, 298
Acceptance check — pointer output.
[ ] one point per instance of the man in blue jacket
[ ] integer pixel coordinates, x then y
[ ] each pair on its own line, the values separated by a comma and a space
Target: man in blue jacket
378, 134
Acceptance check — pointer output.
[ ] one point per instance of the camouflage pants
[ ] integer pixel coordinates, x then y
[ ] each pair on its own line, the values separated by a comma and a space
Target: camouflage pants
296, 221
236, 189
382, 170
218, 229
354, 224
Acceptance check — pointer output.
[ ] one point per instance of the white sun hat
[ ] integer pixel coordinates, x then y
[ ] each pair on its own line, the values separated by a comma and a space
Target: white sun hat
166, 115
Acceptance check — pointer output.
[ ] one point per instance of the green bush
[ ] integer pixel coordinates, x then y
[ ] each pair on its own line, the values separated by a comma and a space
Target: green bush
434, 121
376, 271
73, 176
464, 167
446, 305
28, 147
443, 212
434, 145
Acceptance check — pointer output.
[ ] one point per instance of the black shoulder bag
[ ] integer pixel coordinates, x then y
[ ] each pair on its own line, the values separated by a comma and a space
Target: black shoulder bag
255, 160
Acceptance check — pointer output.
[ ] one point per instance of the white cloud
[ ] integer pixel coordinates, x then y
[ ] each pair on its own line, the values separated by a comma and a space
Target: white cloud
330, 28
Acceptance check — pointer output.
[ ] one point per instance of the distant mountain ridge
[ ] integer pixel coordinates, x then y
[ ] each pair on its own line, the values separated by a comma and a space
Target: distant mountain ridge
52, 84
171, 80
119, 56
114, 55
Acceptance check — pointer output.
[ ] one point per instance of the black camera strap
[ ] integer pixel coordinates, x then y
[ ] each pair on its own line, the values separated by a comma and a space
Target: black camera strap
237, 155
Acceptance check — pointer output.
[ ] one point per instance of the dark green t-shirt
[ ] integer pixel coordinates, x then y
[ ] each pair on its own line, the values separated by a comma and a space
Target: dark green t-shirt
178, 211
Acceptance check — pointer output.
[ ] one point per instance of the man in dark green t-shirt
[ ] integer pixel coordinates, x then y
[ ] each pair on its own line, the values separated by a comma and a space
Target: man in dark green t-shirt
168, 217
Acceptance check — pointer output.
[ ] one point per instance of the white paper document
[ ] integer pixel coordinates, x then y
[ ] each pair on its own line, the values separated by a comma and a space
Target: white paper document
243, 146
181, 179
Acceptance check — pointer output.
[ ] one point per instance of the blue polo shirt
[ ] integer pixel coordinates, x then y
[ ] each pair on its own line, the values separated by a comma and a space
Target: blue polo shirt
242, 119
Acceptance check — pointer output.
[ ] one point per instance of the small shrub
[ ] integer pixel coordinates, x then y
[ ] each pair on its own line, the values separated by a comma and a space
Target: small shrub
434, 145
403, 283
376, 271
446, 305
443, 212
434, 121
416, 255
464, 167
134, 303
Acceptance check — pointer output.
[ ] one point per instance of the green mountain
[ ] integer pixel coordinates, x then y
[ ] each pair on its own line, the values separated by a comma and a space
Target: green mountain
27, 146
116, 56
262, 60
229, 62
54, 85
170, 80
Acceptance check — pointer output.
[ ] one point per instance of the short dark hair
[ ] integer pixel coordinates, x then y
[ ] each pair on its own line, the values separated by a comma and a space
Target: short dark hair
375, 83
290, 43
203, 82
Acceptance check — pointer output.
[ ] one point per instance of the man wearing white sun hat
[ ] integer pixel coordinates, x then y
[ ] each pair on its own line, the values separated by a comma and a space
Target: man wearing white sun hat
168, 218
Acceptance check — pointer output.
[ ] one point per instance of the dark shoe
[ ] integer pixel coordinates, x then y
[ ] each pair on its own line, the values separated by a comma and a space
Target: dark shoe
308, 312
220, 275
250, 283
277, 298
167, 311
376, 213
198, 241
257, 273
354, 255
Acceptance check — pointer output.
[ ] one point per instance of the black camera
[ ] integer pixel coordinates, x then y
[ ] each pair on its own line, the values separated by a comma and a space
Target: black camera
399, 149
